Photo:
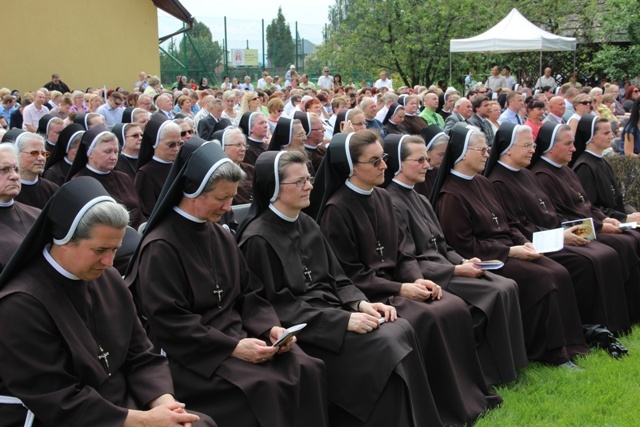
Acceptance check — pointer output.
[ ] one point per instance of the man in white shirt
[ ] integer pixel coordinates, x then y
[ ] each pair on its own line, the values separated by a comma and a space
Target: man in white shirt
262, 82
325, 81
495, 80
383, 81
34, 112
506, 73
546, 80
247, 84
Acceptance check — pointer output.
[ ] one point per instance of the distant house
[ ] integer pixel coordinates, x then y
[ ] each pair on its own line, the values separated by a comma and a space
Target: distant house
90, 43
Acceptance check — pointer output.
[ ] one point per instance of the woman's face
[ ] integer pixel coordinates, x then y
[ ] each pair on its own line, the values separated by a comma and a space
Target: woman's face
368, 169
95, 103
236, 148
186, 131
358, 122
204, 81
133, 138
535, 114
583, 107
186, 105
32, 157
229, 103
414, 167
494, 112
291, 195
299, 137
398, 117
169, 146
435, 155
142, 118
104, 156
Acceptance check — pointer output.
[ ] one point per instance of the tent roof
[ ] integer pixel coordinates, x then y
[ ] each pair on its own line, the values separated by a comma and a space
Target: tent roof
514, 33
175, 9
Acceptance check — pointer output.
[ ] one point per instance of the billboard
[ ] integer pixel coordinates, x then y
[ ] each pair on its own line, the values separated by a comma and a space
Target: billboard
243, 58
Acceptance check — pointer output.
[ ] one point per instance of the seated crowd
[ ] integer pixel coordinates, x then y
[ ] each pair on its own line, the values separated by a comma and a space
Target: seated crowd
158, 244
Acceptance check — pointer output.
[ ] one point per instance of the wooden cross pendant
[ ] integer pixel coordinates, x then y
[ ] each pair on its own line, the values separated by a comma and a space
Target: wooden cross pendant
544, 206
103, 358
380, 250
307, 273
218, 292
495, 219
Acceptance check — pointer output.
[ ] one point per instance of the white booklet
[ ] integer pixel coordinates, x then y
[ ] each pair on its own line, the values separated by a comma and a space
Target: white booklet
491, 264
548, 240
288, 334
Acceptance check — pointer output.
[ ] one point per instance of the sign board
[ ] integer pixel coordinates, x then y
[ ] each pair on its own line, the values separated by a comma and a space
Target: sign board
244, 57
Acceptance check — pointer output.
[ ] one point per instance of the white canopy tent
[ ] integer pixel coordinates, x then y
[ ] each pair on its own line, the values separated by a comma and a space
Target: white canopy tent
514, 33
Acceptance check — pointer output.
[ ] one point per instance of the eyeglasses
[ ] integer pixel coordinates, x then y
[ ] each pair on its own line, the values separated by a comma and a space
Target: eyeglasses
185, 132
134, 135
8, 169
422, 160
239, 144
301, 182
376, 162
484, 150
255, 99
357, 124
175, 144
636, 91
37, 153
528, 145
585, 102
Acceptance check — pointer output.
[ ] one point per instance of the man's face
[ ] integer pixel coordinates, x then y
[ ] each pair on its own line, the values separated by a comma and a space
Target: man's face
39, 99
9, 177
505, 72
55, 79
465, 109
496, 71
317, 132
115, 103
164, 103
557, 106
383, 75
371, 109
547, 72
483, 109
431, 101
516, 103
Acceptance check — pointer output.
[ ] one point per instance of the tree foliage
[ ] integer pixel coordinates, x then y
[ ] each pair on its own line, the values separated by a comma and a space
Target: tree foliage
410, 38
198, 54
280, 45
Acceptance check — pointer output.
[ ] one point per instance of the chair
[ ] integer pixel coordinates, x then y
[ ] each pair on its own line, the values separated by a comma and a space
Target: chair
240, 212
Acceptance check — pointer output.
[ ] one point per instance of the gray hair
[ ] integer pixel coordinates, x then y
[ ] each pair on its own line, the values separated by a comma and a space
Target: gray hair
26, 138
229, 172
9, 147
231, 133
105, 213
440, 140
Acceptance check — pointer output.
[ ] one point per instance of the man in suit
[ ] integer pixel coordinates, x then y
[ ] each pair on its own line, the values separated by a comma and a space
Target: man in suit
481, 108
556, 111
462, 112
164, 104
206, 125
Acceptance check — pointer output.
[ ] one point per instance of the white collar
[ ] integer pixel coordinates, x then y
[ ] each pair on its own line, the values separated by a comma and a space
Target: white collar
94, 170
461, 175
128, 156
551, 162
188, 216
511, 168
281, 215
6, 204
25, 182
159, 160
599, 156
66, 159
310, 147
56, 266
402, 184
358, 190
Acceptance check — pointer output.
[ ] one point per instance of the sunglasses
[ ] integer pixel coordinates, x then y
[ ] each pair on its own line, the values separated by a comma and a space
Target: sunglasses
185, 132
585, 102
376, 162
37, 153
175, 144
636, 91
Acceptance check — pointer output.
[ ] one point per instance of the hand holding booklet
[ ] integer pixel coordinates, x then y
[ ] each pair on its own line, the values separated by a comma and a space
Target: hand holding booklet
548, 240
288, 334
491, 264
585, 228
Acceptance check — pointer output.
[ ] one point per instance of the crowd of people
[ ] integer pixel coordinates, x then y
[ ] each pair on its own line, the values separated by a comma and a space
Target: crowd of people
159, 247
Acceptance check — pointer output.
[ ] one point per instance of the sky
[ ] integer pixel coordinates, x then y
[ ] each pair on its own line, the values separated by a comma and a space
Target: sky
244, 22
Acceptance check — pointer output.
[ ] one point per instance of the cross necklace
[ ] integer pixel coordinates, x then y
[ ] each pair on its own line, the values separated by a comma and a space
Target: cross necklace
217, 291
103, 355
374, 224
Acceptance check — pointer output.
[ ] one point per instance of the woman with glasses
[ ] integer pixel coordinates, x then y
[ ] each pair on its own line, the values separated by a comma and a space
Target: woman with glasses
234, 145
186, 128
582, 104
97, 157
130, 137
32, 157
161, 142
476, 224
357, 219
251, 103
304, 282
492, 299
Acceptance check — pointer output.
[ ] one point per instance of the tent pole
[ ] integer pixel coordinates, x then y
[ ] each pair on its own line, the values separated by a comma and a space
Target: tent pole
540, 62
449, 68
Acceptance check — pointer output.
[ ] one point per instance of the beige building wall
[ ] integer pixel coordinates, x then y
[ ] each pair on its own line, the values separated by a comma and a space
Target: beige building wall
90, 43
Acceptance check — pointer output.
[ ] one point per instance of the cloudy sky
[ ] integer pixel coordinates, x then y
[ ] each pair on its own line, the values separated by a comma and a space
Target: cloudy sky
244, 19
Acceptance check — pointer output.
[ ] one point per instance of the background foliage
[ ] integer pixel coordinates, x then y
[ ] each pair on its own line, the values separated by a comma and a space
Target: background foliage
280, 46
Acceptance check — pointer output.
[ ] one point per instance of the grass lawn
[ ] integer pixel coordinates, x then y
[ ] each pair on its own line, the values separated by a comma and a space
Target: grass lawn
605, 394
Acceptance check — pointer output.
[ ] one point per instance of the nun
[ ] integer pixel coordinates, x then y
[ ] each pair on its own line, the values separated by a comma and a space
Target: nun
436, 142
234, 144
593, 136
58, 164
476, 224
159, 148
254, 125
129, 138
492, 299
595, 270
312, 125
36, 191
15, 218
393, 120
80, 354
304, 282
50, 127
97, 157
357, 219
204, 308
554, 151
89, 120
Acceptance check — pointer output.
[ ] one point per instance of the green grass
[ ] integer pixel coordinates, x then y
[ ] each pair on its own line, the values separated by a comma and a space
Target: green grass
605, 394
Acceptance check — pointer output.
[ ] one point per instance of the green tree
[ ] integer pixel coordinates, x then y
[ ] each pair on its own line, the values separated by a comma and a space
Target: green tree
197, 53
280, 46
